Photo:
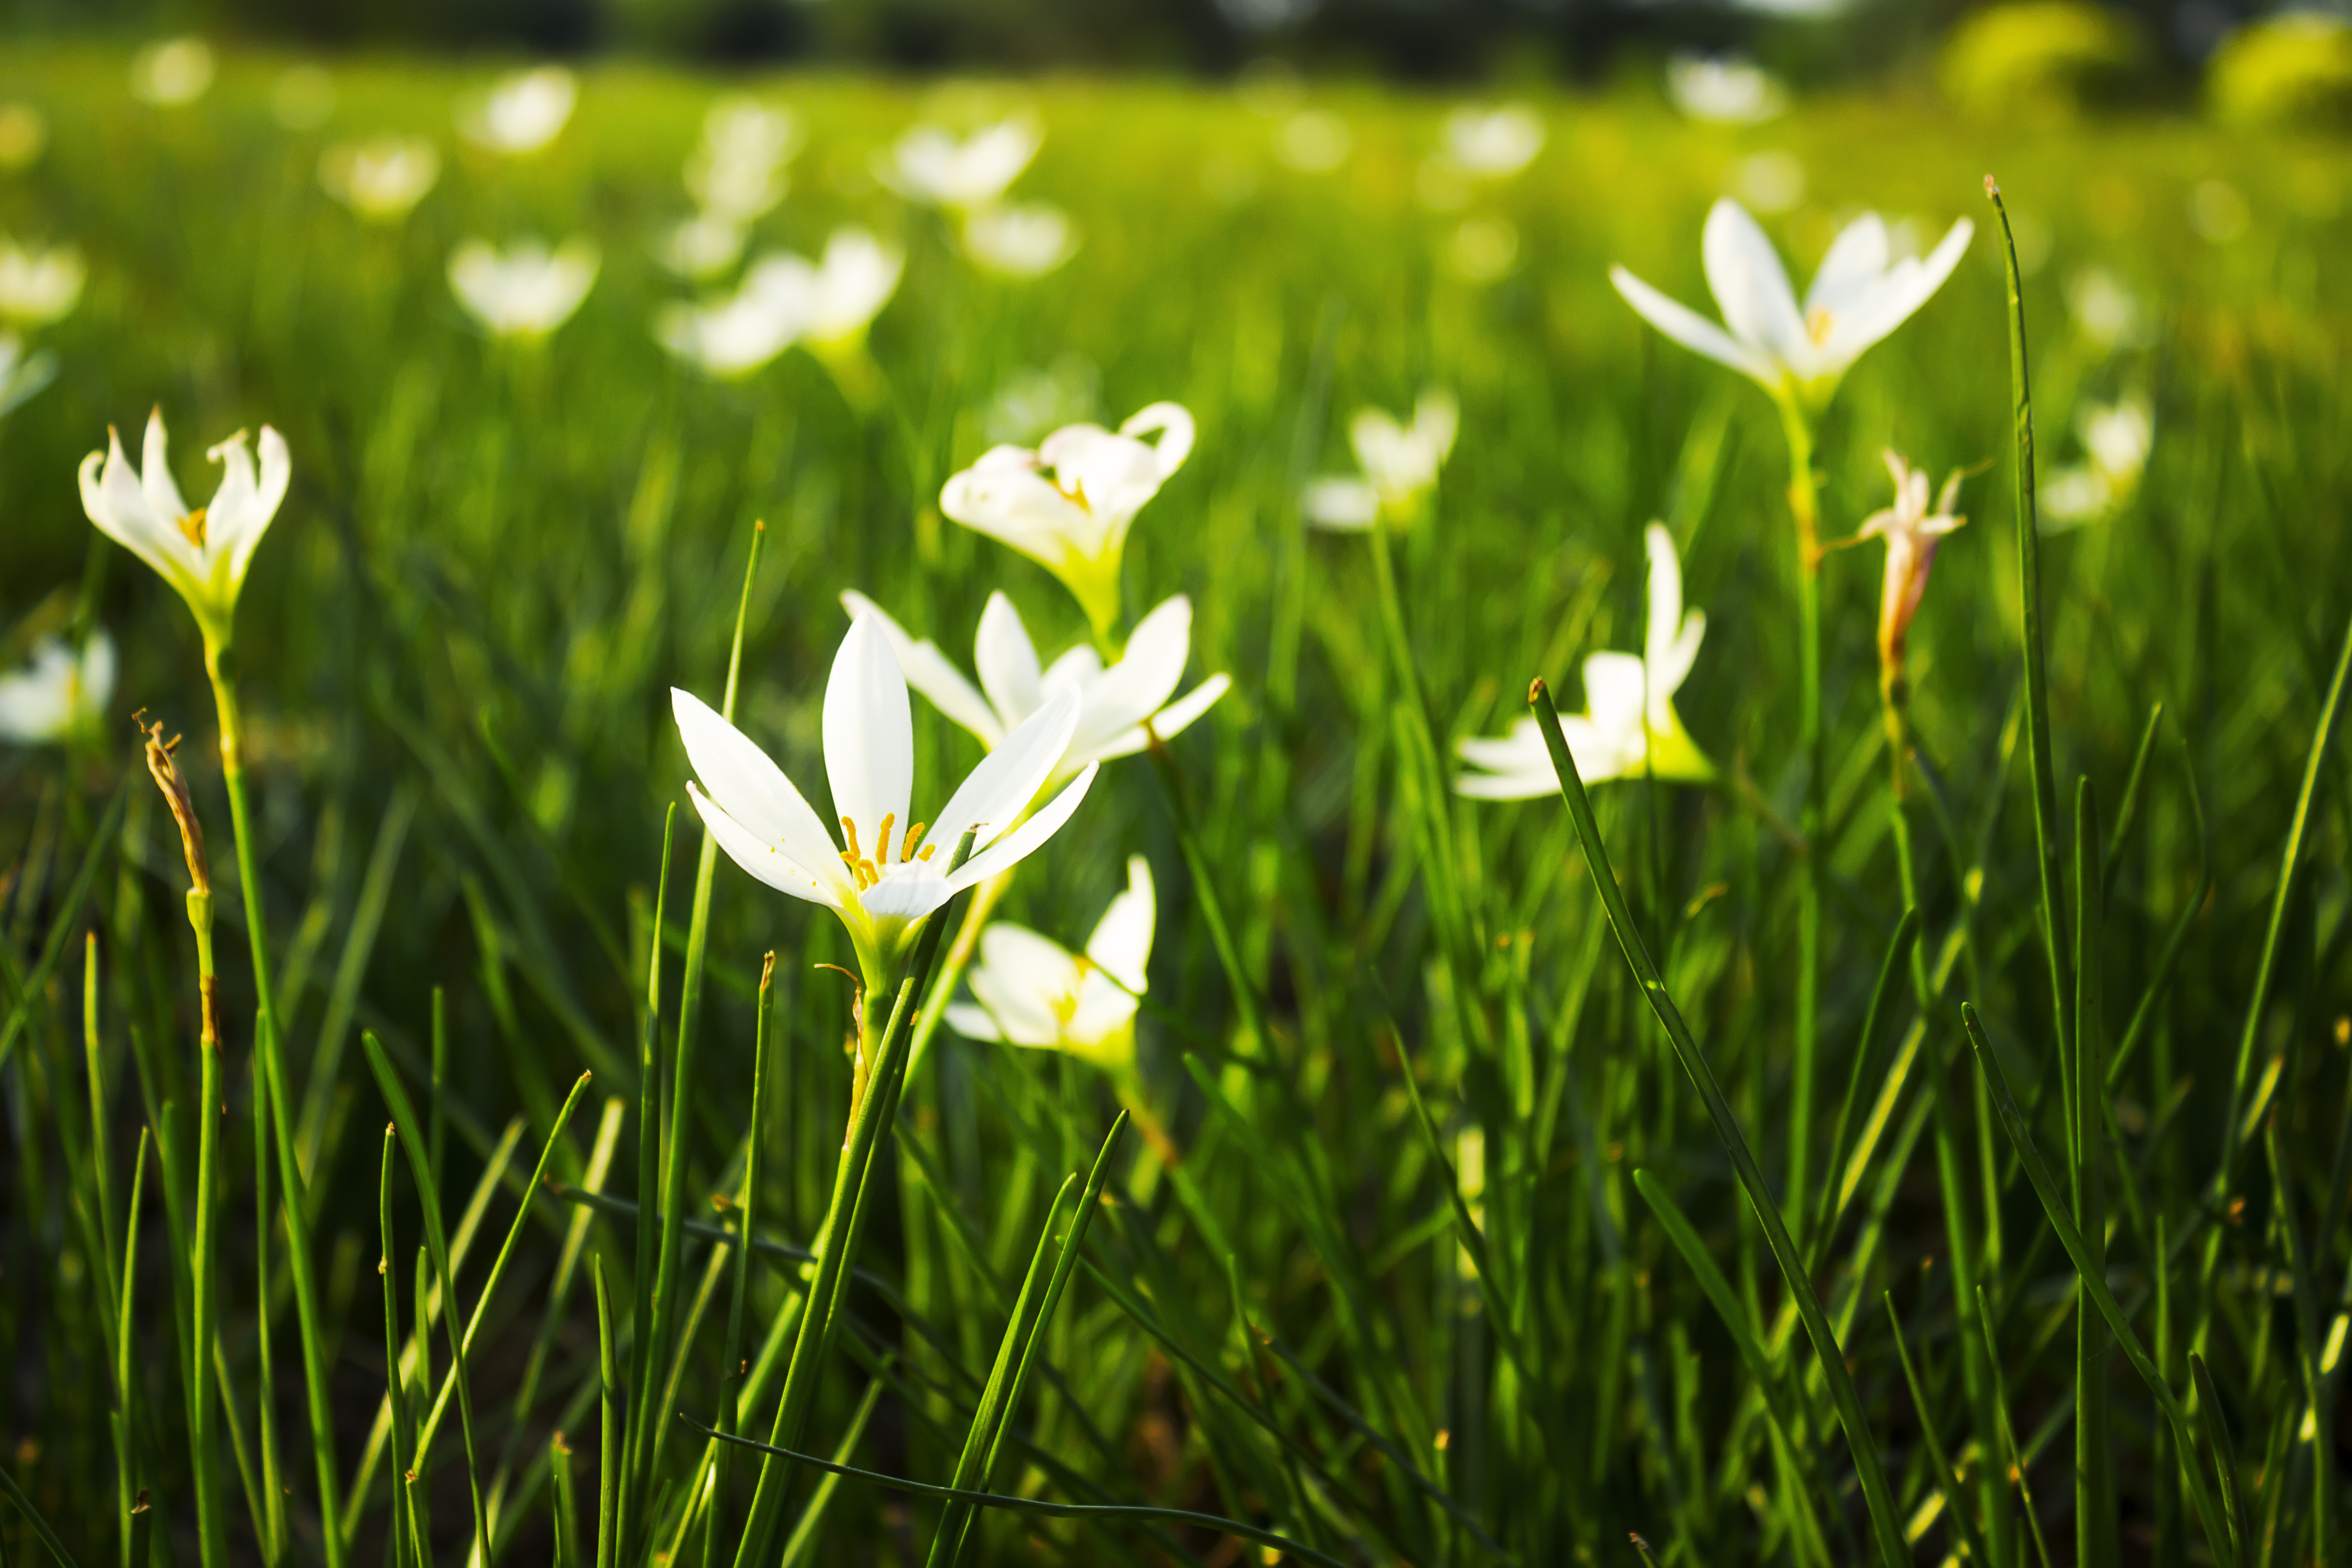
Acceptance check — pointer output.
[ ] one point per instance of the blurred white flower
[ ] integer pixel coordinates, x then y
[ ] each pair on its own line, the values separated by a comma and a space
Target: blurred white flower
1314, 141
527, 291
1032, 991
39, 286
24, 133
1911, 529
1068, 505
1026, 240
768, 829
1114, 702
2105, 311
60, 694
382, 178
1857, 297
2116, 440
701, 247
202, 552
1341, 504
1629, 727
744, 128
522, 112
1029, 401
1770, 182
1493, 143
1724, 91
1400, 462
22, 374
304, 97
1482, 249
173, 72
835, 299
930, 165
732, 336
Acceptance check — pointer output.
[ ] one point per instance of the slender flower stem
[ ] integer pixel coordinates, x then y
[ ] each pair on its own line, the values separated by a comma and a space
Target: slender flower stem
1805, 509
746, 1216
211, 1528
293, 1195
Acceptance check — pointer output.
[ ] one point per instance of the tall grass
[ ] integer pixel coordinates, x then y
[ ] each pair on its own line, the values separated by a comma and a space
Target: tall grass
1369, 1280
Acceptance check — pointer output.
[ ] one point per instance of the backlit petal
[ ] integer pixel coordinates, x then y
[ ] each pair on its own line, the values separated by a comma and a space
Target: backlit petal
753, 791
766, 861
1750, 286
1856, 259
1007, 661
1121, 944
996, 792
1692, 330
932, 673
869, 732
1024, 840
156, 474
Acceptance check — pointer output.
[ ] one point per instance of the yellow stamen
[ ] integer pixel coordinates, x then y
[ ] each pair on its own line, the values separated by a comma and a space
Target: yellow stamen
882, 848
927, 852
855, 853
193, 525
1818, 326
914, 836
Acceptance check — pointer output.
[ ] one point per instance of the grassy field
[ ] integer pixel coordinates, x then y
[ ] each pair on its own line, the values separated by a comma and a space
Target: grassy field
1299, 1307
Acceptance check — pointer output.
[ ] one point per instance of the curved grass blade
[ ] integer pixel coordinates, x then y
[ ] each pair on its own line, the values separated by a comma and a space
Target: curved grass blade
1947, 1476
41, 1528
2225, 1455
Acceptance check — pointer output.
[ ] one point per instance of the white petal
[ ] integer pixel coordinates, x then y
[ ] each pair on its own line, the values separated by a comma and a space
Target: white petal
1145, 678
1615, 694
930, 672
754, 792
1079, 667
1750, 286
869, 733
1121, 944
1020, 959
113, 500
241, 510
1902, 290
1692, 330
1007, 661
972, 1023
1166, 723
1856, 259
1104, 1009
764, 860
1026, 1017
1341, 504
1175, 424
1519, 751
996, 792
1665, 593
156, 474
1018, 845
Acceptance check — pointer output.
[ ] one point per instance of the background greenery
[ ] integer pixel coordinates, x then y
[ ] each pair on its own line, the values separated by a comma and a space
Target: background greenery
458, 638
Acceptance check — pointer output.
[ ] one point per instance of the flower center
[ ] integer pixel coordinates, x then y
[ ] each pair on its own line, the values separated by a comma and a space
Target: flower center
866, 872
1065, 1006
1818, 326
192, 526
1075, 494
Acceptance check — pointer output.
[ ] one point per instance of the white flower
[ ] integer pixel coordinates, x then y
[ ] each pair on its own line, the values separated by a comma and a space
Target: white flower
38, 287
1032, 991
22, 374
739, 127
203, 553
930, 165
1027, 240
732, 336
526, 292
1067, 505
523, 111
1399, 463
701, 247
382, 178
60, 694
172, 73
738, 171
1629, 727
881, 889
24, 133
2117, 439
1495, 143
1912, 529
836, 299
1723, 91
1857, 298
1014, 684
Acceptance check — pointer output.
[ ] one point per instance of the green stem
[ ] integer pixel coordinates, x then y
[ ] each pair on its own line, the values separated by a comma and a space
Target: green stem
211, 1528
1805, 509
745, 1229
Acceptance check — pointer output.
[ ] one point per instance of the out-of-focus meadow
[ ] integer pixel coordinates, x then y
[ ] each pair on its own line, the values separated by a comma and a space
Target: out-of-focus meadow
498, 552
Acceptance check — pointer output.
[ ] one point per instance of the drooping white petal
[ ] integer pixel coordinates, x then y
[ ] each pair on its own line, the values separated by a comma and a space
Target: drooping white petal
1024, 840
755, 793
1692, 330
156, 474
1007, 661
869, 732
932, 673
1750, 286
1174, 422
767, 861
1121, 944
972, 1023
996, 792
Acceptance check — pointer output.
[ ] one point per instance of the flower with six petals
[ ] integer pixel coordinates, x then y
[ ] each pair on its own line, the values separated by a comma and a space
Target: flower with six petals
1030, 990
526, 290
930, 164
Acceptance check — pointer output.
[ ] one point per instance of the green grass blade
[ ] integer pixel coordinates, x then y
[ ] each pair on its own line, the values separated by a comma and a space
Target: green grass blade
1946, 1475
2017, 1459
41, 1528
1865, 1050
2225, 1455
609, 1457
812, 1520
2127, 813
403, 1541
2096, 1542
37, 984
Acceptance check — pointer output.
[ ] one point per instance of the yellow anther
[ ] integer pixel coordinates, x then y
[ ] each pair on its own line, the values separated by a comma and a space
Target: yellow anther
915, 836
855, 853
882, 848
927, 852
1818, 326
193, 525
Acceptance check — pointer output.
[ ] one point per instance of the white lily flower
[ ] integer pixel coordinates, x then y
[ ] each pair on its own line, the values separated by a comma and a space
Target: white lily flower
60, 694
203, 553
382, 178
1400, 462
701, 247
1912, 530
172, 73
930, 165
738, 169
1114, 703
1032, 991
882, 891
22, 374
1027, 240
527, 291
1729, 91
743, 128
1493, 143
732, 336
1067, 505
522, 112
1857, 298
837, 299
1629, 727
2116, 440
39, 286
